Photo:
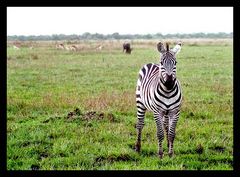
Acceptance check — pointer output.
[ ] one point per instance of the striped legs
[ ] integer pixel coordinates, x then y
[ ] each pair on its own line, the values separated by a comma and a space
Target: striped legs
168, 122
171, 133
166, 126
140, 123
160, 133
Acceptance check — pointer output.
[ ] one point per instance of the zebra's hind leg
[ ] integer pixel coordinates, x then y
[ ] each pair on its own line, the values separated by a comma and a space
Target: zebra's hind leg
160, 133
140, 123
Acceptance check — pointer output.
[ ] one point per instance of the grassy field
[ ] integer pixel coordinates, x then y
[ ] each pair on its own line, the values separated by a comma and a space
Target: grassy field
71, 110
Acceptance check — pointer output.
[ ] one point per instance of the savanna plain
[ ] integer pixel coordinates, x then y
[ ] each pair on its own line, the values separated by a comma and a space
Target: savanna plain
75, 110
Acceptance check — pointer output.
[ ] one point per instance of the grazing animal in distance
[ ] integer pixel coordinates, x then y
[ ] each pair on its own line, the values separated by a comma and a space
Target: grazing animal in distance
67, 48
127, 47
16, 48
99, 48
158, 90
74, 48
60, 46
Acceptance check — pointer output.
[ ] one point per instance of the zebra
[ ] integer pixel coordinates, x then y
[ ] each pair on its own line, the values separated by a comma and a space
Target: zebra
158, 90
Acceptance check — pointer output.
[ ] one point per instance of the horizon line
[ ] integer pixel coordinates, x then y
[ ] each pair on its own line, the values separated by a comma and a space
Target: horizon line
119, 33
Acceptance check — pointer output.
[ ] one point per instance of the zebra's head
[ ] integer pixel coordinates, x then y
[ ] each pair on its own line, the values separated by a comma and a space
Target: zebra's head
168, 63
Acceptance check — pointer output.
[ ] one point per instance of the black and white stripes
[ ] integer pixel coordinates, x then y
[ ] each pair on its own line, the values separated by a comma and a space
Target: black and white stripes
159, 91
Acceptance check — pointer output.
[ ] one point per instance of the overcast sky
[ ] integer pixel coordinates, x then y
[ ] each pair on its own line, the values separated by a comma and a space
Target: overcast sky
124, 20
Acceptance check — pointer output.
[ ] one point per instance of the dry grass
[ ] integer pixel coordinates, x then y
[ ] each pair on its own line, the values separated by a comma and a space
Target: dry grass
104, 101
90, 45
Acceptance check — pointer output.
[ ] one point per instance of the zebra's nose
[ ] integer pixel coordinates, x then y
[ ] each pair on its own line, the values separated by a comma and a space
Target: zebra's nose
169, 77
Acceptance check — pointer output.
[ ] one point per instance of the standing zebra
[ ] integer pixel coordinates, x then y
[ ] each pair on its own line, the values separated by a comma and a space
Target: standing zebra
158, 90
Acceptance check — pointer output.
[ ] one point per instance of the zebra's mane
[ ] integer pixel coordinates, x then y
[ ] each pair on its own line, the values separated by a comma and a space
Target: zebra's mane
168, 54
167, 46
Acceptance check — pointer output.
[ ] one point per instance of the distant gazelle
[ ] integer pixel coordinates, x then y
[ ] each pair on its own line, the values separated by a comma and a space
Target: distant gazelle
99, 47
73, 48
15, 47
67, 48
60, 46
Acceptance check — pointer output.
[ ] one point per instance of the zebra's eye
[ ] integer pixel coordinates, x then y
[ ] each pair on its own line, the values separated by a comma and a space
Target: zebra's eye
175, 62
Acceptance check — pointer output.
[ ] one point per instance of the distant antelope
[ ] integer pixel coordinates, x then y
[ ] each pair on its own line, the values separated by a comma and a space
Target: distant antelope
67, 48
99, 47
60, 46
127, 48
74, 48
16, 48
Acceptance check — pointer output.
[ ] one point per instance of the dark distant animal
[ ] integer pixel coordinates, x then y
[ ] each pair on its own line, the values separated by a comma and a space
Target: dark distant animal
127, 48
158, 90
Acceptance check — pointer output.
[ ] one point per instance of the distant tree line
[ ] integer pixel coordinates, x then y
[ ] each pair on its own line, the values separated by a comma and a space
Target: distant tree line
97, 36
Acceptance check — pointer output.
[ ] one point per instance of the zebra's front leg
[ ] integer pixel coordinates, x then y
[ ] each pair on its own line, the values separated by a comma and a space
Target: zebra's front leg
166, 127
171, 135
139, 126
160, 133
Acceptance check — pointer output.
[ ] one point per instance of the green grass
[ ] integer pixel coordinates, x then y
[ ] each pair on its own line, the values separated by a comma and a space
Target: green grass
45, 85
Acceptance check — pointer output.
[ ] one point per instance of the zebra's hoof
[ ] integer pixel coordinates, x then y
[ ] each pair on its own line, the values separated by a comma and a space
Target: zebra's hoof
160, 155
137, 148
170, 154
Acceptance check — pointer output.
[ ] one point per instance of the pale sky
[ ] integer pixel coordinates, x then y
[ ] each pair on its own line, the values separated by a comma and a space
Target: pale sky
124, 20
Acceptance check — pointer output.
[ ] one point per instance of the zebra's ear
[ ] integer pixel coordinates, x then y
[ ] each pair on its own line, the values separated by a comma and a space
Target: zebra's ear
160, 47
177, 48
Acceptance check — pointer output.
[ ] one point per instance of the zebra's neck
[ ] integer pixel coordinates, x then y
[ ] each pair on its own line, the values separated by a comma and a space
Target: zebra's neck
164, 87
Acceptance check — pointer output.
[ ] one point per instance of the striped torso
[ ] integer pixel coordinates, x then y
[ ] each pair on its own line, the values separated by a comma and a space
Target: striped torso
153, 94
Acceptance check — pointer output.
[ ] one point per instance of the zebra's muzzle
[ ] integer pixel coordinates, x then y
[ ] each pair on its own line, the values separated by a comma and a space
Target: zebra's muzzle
169, 77
169, 81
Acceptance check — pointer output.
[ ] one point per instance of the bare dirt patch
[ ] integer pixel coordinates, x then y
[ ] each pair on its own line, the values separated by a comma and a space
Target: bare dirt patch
91, 115
218, 148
